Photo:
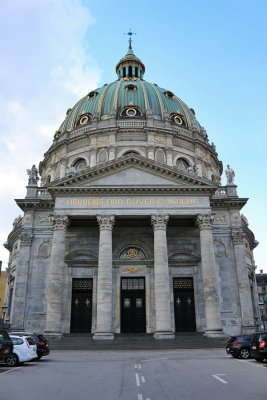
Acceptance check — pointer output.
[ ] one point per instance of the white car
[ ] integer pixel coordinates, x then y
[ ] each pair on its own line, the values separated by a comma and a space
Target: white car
24, 349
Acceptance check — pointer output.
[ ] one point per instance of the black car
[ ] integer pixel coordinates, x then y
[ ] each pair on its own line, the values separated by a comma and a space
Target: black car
259, 346
42, 343
6, 345
239, 346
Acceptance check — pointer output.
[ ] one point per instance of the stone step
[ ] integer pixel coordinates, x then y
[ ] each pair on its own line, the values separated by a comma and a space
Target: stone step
135, 342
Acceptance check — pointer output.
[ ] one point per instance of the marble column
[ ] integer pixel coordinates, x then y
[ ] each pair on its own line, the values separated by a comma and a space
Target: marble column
162, 281
104, 325
245, 295
55, 277
210, 277
21, 282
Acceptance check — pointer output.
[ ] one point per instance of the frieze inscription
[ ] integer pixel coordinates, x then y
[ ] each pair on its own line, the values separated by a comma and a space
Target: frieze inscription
136, 202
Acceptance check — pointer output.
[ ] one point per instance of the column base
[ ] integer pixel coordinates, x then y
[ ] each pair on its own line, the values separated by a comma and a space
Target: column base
248, 329
164, 335
215, 333
103, 336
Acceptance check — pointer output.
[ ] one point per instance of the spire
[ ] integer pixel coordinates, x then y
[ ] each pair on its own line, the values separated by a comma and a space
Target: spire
130, 67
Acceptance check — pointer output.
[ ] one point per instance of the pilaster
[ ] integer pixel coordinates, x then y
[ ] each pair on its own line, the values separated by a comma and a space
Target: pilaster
55, 278
245, 295
21, 281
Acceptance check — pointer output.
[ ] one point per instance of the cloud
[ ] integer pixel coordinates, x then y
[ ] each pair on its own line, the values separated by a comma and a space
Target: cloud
45, 68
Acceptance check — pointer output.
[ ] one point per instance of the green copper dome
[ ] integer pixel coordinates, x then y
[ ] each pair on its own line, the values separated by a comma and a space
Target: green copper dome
130, 97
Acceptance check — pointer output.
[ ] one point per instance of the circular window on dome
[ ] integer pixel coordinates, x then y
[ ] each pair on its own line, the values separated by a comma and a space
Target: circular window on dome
131, 111
178, 119
169, 94
84, 119
92, 95
130, 88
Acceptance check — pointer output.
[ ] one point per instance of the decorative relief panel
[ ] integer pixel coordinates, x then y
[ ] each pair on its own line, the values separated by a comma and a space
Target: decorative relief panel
26, 237
219, 248
44, 250
133, 270
132, 253
238, 237
46, 219
220, 219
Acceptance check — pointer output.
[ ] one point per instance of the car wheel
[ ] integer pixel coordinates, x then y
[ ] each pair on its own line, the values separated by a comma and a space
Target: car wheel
244, 354
259, 359
12, 360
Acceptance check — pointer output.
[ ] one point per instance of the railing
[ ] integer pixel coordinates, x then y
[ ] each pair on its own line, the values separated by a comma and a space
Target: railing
220, 192
131, 124
43, 193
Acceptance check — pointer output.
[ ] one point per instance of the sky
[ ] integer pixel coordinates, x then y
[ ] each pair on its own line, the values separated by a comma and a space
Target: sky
211, 54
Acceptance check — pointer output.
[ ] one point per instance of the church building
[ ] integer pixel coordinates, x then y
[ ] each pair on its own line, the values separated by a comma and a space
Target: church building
129, 229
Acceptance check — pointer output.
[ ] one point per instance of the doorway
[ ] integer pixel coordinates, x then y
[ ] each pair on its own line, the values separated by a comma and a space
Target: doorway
133, 305
184, 305
81, 305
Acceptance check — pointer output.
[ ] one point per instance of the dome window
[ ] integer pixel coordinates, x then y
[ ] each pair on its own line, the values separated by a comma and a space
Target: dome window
169, 94
183, 164
178, 119
92, 95
130, 88
80, 164
84, 119
131, 111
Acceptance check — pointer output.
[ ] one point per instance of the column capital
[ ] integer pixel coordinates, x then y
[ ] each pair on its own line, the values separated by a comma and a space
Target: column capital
238, 236
159, 221
105, 222
60, 221
205, 221
26, 237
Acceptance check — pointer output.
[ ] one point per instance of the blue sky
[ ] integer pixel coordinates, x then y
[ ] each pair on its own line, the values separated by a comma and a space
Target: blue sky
211, 54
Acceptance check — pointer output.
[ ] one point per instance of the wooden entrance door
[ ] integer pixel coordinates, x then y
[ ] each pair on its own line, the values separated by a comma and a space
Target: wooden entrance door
81, 305
133, 305
184, 305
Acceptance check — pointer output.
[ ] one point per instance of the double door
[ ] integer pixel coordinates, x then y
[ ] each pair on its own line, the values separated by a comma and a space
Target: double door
133, 307
81, 305
184, 305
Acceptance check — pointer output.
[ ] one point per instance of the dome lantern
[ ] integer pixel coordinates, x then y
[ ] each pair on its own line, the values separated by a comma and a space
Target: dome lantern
130, 66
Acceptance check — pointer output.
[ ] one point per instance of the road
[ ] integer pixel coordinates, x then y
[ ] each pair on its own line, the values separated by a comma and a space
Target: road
140, 375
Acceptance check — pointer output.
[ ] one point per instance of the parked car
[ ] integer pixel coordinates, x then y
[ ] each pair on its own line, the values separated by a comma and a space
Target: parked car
24, 349
239, 346
259, 346
6, 345
41, 343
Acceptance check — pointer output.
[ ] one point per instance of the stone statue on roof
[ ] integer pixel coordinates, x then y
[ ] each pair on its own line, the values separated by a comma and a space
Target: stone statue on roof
230, 174
33, 175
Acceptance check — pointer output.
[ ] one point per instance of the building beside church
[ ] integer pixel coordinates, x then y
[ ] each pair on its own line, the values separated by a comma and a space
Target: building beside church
129, 228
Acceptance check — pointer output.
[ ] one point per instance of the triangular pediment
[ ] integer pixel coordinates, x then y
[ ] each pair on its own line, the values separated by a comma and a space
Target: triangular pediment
129, 172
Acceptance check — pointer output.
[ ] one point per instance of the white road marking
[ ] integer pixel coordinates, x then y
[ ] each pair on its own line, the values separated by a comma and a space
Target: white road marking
10, 370
157, 359
143, 379
252, 363
140, 397
217, 376
137, 379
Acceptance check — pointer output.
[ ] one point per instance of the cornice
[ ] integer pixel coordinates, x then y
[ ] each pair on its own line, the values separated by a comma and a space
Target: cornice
228, 202
35, 204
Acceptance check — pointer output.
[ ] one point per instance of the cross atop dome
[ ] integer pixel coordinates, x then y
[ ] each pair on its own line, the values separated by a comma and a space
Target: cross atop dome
130, 34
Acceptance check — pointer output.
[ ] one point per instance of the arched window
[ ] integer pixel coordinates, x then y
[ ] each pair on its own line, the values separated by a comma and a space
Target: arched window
183, 164
80, 164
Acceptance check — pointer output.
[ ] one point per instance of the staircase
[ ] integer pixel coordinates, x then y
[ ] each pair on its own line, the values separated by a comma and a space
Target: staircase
136, 342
